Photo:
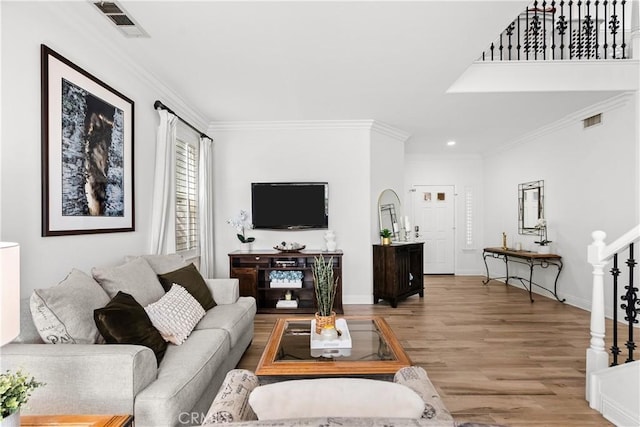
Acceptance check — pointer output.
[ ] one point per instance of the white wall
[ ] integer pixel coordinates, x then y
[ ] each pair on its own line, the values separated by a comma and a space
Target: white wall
336, 152
590, 178
47, 260
461, 171
387, 172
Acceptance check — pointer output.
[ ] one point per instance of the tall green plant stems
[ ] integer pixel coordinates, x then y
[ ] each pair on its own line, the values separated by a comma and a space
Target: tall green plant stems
325, 284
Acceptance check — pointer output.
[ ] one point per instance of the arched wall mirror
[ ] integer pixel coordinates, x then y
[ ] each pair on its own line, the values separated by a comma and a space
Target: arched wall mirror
390, 212
530, 206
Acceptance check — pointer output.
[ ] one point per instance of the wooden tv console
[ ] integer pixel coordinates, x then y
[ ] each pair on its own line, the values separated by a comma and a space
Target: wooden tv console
252, 270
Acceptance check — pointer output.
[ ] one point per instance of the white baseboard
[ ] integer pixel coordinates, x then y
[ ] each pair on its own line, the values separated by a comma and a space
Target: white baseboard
357, 299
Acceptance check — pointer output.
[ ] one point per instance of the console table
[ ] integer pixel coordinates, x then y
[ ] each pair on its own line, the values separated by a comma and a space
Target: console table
530, 259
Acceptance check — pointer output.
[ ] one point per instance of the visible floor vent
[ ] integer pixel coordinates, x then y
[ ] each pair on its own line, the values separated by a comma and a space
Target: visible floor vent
120, 19
592, 121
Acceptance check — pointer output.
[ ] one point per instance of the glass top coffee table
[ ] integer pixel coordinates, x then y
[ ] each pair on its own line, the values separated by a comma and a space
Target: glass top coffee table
375, 351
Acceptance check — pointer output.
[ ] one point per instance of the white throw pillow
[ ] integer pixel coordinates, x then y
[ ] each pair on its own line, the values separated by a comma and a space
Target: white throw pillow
175, 314
135, 278
63, 314
335, 397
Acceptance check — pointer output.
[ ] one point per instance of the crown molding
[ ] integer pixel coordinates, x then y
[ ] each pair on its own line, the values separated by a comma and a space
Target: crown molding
610, 104
366, 125
164, 93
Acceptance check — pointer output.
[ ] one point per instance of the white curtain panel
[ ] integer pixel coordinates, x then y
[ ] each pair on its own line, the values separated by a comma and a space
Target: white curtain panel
163, 213
205, 204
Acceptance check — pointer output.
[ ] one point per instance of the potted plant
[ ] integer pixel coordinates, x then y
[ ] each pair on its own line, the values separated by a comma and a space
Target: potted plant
15, 390
241, 224
325, 289
386, 236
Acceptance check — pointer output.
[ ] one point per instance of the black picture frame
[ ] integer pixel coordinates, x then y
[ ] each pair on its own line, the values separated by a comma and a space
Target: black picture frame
87, 152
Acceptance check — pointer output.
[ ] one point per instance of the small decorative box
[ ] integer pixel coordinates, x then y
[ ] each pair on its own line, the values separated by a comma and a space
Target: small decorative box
343, 340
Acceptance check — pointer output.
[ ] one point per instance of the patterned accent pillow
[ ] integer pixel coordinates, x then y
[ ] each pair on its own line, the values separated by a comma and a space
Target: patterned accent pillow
63, 314
175, 314
231, 402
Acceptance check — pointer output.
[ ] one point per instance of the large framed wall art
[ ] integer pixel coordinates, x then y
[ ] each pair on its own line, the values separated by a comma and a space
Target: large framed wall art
87, 152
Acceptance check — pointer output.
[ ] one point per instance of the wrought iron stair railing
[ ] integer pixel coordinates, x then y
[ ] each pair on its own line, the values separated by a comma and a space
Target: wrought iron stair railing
561, 30
599, 255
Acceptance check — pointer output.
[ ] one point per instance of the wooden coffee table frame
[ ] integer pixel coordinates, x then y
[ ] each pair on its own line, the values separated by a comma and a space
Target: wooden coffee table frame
268, 366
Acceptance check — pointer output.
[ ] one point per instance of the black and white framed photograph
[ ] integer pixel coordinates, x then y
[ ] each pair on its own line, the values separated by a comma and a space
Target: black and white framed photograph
87, 152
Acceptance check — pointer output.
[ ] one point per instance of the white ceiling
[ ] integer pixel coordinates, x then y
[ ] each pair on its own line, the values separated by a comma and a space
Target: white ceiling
390, 61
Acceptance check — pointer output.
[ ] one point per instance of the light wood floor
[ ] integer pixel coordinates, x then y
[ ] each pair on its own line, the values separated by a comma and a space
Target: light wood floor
493, 356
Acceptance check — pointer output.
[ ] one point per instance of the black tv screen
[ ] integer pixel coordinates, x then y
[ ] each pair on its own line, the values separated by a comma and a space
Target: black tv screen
289, 205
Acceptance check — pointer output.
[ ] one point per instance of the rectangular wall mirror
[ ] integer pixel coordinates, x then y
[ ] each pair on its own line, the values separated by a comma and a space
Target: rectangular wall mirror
530, 206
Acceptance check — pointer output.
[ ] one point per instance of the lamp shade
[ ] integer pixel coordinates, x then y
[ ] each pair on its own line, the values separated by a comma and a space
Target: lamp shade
9, 291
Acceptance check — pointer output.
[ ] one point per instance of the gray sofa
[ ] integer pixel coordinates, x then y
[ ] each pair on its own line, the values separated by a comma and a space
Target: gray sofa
126, 379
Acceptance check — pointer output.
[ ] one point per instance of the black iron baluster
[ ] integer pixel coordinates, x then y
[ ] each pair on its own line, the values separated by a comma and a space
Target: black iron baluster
492, 48
570, 29
631, 297
588, 29
580, 47
544, 29
501, 47
615, 272
623, 45
614, 25
553, 26
519, 38
510, 29
562, 28
597, 47
536, 29
527, 42
605, 46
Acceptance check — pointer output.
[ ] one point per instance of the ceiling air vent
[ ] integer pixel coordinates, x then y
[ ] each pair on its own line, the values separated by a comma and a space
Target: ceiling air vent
118, 17
592, 121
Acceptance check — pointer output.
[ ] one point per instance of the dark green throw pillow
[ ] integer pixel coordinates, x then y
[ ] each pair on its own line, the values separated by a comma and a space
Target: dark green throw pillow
189, 278
124, 321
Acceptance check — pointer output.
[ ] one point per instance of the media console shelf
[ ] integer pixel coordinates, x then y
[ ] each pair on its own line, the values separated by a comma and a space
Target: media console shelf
253, 268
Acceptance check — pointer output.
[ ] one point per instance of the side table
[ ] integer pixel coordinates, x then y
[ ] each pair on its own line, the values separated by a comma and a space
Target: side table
77, 420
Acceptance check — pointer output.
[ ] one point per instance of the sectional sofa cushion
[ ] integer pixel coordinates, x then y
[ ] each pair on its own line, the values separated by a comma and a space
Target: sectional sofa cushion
184, 376
63, 314
135, 278
124, 321
336, 397
236, 318
175, 314
189, 278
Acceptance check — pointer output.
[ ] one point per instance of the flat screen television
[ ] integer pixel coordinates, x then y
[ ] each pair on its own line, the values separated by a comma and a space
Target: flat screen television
290, 205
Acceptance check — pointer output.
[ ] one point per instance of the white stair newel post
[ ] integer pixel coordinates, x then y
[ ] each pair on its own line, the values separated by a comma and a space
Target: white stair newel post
597, 357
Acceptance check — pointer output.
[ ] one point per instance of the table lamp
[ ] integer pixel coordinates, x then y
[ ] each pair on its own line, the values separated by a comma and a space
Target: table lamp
9, 292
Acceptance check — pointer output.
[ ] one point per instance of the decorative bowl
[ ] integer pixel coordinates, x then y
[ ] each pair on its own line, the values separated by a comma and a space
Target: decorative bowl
290, 247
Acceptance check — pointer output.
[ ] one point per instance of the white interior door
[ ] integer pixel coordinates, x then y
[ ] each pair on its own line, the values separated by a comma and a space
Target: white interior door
434, 215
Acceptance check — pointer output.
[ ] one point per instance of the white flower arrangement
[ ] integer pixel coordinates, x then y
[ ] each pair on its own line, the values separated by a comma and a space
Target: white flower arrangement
241, 224
541, 226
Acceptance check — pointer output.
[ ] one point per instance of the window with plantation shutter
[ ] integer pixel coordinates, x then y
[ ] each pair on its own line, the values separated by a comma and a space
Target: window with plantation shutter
186, 192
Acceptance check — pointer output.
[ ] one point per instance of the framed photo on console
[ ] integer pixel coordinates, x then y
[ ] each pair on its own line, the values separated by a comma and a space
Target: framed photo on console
87, 152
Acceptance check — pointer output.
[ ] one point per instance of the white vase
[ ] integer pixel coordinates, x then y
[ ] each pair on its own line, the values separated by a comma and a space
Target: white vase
546, 249
12, 420
330, 238
245, 247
